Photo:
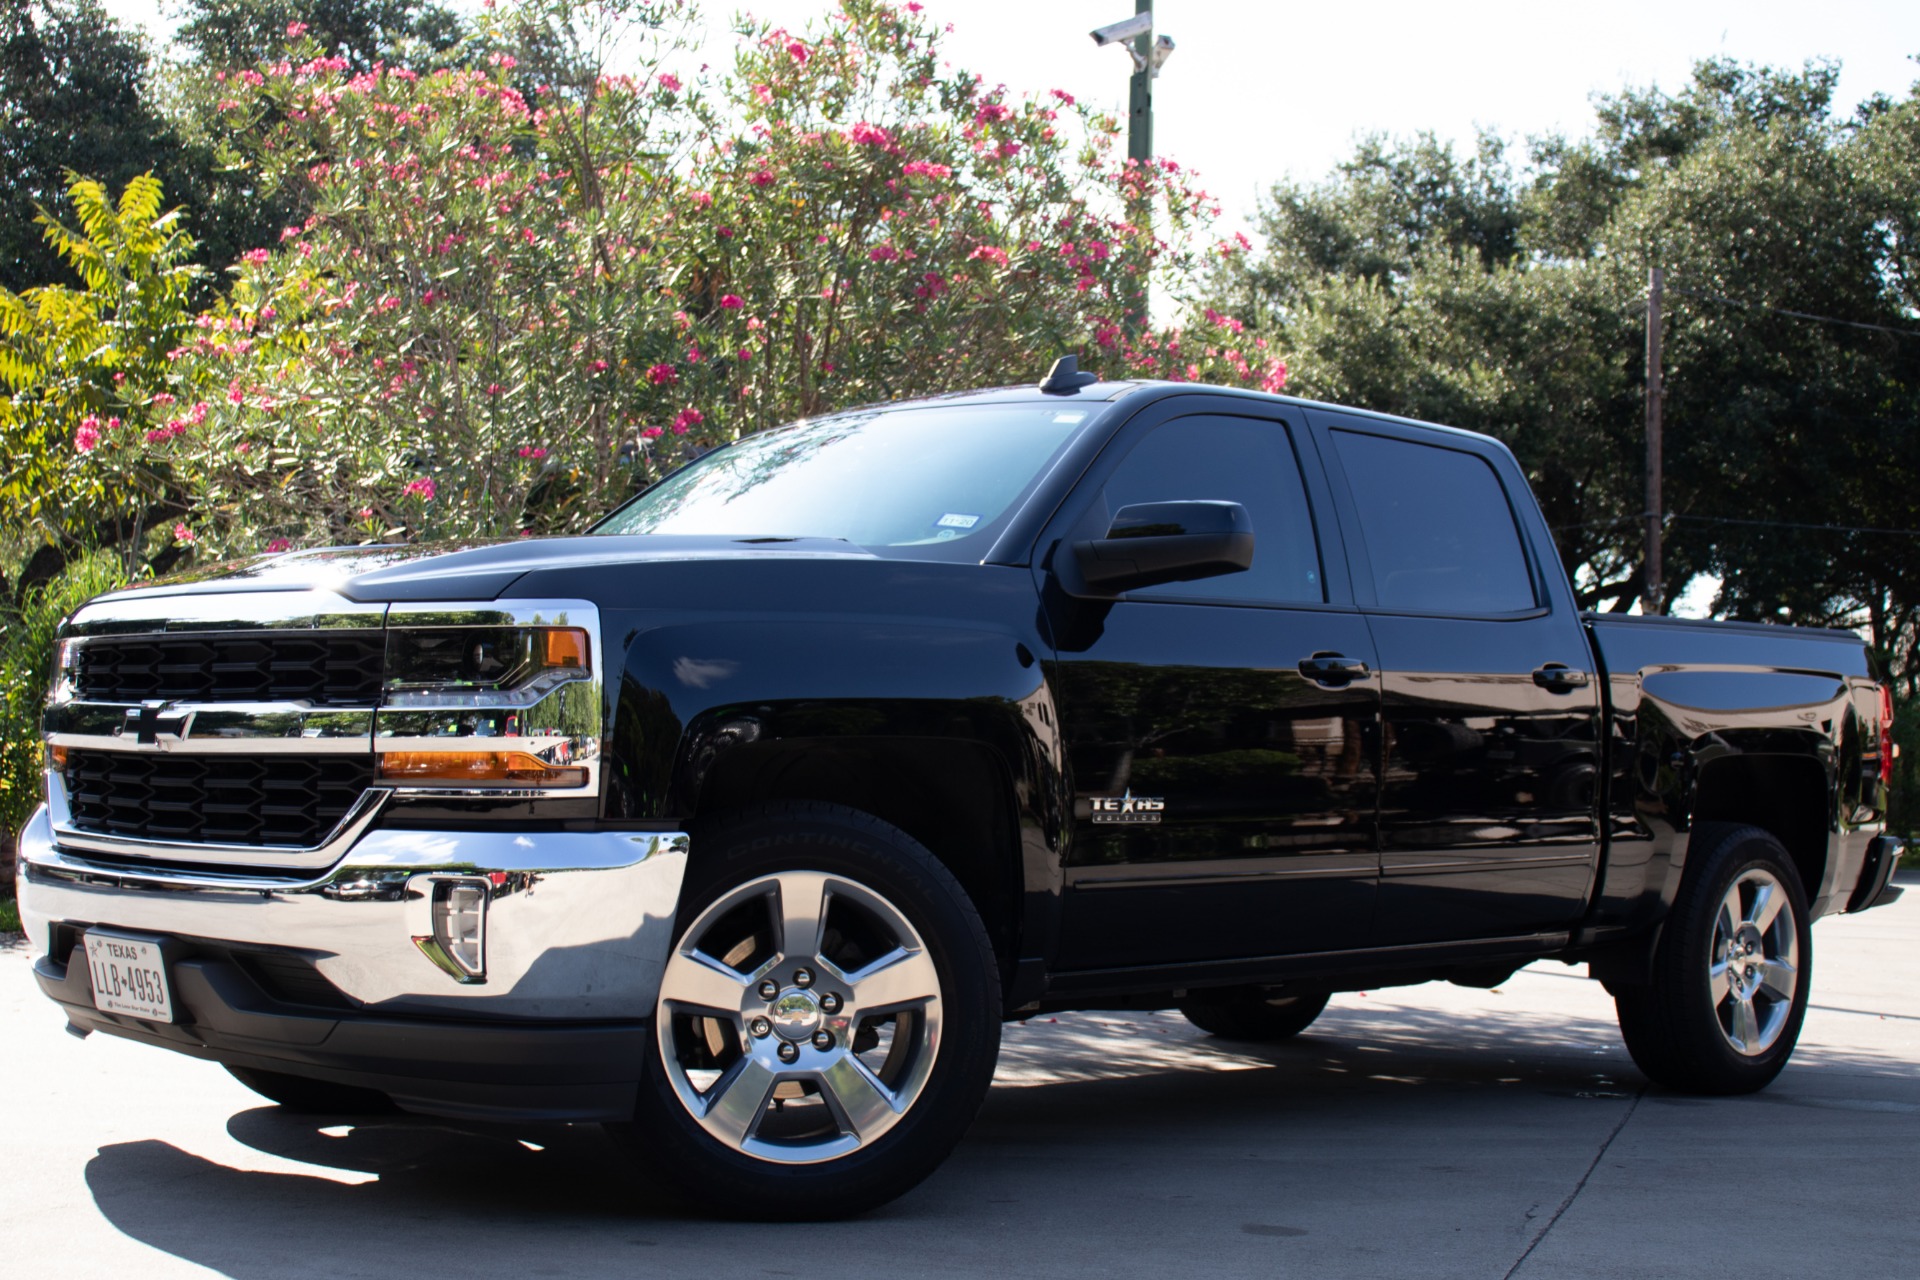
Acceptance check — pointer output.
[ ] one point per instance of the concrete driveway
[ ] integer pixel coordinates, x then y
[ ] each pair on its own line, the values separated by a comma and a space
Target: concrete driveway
1427, 1131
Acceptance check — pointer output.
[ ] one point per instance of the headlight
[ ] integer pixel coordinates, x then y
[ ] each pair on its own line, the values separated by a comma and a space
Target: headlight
491, 698
427, 666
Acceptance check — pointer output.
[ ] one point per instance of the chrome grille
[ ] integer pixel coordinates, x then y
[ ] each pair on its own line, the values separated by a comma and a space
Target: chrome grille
323, 668
267, 799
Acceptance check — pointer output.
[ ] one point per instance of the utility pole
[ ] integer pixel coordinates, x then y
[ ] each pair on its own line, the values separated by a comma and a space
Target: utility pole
1653, 597
1148, 54
1140, 93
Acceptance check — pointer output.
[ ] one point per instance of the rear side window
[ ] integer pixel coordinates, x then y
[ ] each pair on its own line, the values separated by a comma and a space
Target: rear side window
1438, 528
1245, 460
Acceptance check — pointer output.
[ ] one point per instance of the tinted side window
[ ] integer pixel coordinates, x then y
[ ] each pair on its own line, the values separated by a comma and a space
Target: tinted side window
1245, 460
1439, 531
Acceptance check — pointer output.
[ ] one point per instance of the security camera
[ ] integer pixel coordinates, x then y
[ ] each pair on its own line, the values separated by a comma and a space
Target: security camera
1139, 24
1162, 50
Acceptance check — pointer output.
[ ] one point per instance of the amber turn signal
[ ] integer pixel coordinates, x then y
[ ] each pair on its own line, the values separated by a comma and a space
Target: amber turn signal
58, 755
478, 768
566, 647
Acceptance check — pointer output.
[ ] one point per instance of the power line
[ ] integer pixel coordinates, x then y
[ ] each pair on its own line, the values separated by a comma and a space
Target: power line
1797, 315
1616, 521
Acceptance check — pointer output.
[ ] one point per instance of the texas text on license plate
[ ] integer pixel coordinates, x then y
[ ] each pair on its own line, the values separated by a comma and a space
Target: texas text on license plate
128, 976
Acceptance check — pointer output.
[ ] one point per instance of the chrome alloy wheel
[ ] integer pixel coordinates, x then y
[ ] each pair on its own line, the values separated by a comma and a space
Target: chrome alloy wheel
799, 1017
1754, 966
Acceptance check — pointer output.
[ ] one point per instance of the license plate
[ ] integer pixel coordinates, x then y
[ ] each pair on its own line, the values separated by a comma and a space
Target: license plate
128, 977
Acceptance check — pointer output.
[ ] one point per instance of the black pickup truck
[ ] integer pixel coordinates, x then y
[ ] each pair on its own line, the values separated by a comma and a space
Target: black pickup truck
742, 822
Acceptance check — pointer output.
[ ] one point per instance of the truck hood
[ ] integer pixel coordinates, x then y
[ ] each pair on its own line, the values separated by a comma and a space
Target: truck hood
469, 570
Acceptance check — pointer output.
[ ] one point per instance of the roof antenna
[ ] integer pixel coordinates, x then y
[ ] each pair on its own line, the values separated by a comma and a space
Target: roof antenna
1065, 377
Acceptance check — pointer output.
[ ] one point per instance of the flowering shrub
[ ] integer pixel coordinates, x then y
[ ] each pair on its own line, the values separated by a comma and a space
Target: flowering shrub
530, 284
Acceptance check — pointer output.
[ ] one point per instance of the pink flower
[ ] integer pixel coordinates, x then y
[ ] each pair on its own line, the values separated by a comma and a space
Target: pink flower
687, 420
762, 178
1064, 96
668, 82
744, 354
992, 254
424, 487
662, 375
866, 135
798, 52
731, 302
991, 112
86, 437
693, 355
883, 253
651, 433
925, 169
364, 513
295, 30
598, 366
725, 233
505, 61
531, 451
254, 256
1276, 376
701, 199
236, 394
182, 534
762, 94
278, 545
494, 388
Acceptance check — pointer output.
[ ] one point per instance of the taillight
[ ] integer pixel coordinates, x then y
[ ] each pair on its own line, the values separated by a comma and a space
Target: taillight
1886, 734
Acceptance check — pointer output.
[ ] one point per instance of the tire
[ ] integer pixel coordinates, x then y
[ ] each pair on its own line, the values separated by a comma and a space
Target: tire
850, 1082
1732, 972
1257, 1018
313, 1097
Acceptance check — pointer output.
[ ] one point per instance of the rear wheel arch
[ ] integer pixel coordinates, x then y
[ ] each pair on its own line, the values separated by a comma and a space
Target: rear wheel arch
1787, 796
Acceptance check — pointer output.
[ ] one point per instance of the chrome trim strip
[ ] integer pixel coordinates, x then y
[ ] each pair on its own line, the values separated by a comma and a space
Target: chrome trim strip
284, 858
579, 924
496, 613
215, 727
309, 610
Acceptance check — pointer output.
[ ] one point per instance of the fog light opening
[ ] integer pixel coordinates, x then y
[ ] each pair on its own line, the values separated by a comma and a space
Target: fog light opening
458, 944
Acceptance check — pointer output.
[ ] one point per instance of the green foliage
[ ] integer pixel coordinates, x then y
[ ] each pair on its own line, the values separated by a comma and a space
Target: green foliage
26, 647
74, 96
1510, 301
224, 34
87, 374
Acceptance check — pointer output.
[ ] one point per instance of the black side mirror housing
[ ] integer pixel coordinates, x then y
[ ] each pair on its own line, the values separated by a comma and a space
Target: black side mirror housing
1153, 543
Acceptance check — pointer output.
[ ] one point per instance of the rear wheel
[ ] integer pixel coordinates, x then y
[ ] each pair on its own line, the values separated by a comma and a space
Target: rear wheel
828, 1020
1257, 1017
312, 1097
1732, 973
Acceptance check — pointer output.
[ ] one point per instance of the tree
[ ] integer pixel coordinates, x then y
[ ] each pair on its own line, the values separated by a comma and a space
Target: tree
73, 97
230, 34
1510, 301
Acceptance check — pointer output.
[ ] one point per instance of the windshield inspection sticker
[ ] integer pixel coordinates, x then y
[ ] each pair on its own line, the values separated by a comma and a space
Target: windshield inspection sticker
953, 520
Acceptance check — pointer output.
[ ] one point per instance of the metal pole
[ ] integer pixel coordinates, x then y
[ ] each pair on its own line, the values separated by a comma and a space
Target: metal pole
1140, 151
1654, 598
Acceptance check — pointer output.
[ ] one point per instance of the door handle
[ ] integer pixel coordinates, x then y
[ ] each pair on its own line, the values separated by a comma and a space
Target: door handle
1332, 669
1556, 678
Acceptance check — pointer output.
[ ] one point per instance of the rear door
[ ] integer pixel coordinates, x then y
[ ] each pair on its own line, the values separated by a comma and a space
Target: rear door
1490, 704
1223, 794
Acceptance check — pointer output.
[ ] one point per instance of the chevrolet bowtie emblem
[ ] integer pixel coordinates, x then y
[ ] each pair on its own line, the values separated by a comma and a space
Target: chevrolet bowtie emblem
151, 719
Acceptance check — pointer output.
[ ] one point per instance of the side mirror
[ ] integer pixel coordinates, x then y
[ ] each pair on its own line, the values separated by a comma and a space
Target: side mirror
1153, 543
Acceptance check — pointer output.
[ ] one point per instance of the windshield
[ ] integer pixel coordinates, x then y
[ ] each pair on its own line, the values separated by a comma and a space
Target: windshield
876, 478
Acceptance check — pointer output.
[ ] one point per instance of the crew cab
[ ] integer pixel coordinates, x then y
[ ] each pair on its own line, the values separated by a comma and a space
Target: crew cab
742, 822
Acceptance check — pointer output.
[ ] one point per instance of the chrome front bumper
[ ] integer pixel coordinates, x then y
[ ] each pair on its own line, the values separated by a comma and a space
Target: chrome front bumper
578, 924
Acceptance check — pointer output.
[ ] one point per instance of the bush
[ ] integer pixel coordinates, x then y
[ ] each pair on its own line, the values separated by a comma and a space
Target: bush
27, 628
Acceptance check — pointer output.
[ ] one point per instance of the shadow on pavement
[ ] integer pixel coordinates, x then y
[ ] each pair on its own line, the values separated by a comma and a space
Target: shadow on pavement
1094, 1116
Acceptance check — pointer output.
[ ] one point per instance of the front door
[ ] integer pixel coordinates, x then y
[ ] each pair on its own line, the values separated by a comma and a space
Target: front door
1221, 734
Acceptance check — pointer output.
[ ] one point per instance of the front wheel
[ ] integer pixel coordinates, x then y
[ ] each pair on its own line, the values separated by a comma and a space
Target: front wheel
1732, 973
828, 1019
